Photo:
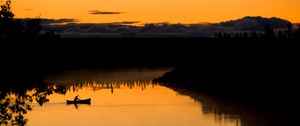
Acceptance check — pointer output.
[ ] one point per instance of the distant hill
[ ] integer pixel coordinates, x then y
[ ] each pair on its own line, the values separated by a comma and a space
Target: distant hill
254, 23
71, 28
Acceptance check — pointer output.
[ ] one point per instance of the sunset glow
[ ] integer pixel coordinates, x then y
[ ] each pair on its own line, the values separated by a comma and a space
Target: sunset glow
153, 11
127, 107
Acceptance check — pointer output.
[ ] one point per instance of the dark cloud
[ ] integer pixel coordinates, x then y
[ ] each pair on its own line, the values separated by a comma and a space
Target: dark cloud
124, 23
97, 12
46, 21
59, 21
124, 29
28, 9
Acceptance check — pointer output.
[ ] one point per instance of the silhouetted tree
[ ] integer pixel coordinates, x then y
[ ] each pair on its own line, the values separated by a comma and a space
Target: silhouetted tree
49, 35
226, 35
8, 26
245, 35
297, 34
280, 34
237, 35
254, 35
14, 28
241, 35
220, 35
269, 32
33, 28
289, 27
5, 12
216, 35
14, 109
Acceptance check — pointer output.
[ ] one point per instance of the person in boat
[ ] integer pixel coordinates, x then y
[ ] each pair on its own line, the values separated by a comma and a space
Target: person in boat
76, 98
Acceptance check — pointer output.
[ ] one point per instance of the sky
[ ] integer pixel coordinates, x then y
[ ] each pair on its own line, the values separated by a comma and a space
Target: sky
155, 11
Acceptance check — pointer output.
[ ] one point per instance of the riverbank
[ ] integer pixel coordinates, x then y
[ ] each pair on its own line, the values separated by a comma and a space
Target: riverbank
256, 75
28, 59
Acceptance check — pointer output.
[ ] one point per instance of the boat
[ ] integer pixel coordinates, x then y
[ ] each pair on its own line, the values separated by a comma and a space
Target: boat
84, 101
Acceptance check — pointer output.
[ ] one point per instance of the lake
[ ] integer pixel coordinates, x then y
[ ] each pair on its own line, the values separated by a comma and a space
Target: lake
125, 97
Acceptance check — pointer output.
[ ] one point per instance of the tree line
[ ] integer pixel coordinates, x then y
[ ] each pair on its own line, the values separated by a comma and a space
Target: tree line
16, 28
269, 33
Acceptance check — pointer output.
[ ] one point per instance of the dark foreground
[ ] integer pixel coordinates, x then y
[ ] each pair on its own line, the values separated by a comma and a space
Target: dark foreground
200, 57
133, 52
256, 73
196, 59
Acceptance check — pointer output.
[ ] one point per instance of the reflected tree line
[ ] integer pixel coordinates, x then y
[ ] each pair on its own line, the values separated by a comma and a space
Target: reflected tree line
230, 111
16, 28
16, 102
269, 33
99, 85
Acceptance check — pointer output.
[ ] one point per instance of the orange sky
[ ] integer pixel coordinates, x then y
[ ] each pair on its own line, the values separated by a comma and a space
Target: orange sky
153, 11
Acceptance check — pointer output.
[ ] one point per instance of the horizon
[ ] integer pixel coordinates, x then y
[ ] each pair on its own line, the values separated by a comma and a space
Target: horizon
70, 28
66, 21
144, 12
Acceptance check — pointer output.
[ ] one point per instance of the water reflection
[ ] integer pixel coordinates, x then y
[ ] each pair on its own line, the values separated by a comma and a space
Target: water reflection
115, 102
224, 110
13, 109
16, 102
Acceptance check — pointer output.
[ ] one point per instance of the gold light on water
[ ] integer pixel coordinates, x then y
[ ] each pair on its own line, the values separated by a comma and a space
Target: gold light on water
128, 105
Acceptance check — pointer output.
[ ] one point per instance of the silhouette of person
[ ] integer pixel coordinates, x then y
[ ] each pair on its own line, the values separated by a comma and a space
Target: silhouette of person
76, 98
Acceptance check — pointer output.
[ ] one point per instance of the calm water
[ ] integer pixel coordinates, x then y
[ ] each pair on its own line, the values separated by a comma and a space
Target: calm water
125, 104
119, 98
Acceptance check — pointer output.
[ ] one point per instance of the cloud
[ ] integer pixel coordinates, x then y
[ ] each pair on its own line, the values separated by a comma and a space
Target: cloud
48, 22
28, 9
59, 21
124, 23
97, 12
71, 28
125, 29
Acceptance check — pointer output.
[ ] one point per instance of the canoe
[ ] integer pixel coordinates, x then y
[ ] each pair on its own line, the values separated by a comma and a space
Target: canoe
85, 101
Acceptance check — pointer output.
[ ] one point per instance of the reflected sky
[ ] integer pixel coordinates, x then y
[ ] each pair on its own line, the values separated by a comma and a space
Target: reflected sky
129, 104
122, 97
153, 11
